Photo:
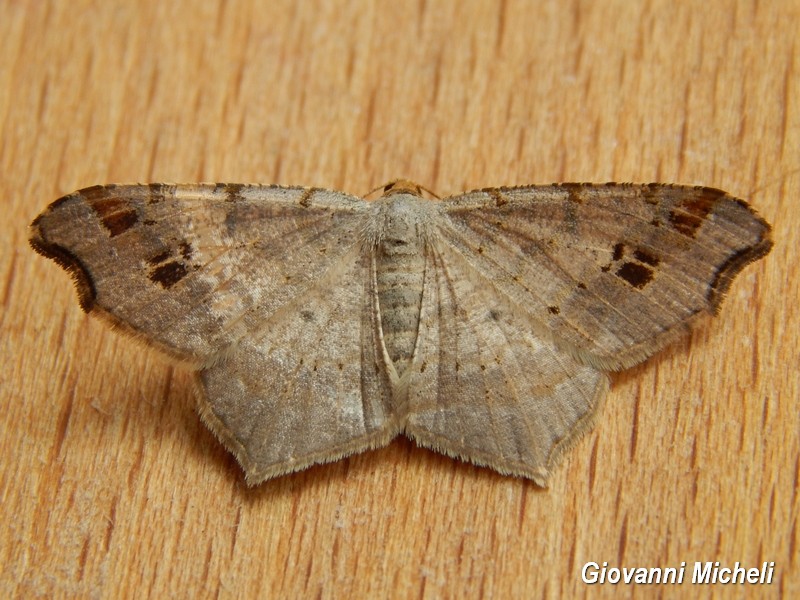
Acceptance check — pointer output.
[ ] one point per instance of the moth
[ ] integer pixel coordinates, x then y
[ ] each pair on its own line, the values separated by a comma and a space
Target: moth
482, 326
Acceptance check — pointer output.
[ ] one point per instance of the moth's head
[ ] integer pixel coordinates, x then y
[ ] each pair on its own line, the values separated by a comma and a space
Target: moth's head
402, 186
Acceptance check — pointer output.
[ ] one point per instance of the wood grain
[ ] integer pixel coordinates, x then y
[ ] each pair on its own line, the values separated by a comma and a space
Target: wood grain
111, 485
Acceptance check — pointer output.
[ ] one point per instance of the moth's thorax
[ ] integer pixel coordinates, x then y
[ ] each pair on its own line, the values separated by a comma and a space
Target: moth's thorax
402, 186
399, 272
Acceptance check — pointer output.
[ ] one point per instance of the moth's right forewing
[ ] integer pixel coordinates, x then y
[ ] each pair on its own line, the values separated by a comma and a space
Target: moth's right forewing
611, 272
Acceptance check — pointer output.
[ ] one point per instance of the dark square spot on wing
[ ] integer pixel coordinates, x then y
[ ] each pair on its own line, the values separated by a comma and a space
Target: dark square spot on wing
169, 274
635, 274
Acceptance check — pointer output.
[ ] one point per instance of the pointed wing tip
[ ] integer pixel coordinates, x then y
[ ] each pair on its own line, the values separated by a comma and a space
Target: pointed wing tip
84, 284
733, 265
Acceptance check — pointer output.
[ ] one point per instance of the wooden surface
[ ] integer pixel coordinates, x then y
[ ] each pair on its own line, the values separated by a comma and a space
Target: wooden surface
110, 483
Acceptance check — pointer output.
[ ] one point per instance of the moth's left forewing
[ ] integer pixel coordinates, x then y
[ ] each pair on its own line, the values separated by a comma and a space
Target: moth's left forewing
614, 272
191, 269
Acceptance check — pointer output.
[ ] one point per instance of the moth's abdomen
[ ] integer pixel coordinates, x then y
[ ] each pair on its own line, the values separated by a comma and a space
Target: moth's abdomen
400, 265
